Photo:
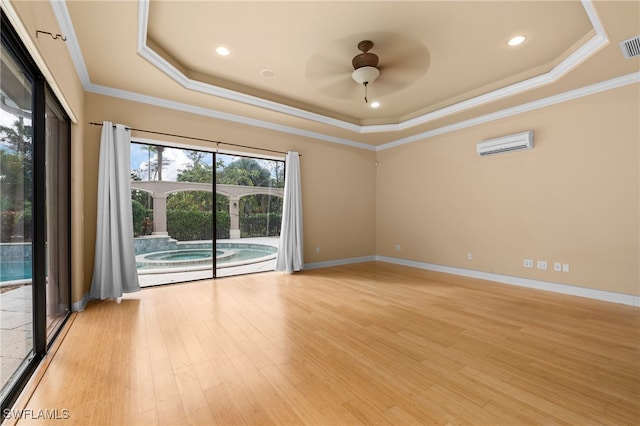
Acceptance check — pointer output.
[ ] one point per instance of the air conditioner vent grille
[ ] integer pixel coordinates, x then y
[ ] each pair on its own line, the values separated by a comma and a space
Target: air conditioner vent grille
515, 142
505, 149
631, 47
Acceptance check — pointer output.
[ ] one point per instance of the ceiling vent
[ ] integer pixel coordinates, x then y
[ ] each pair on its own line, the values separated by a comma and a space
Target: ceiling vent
516, 142
631, 47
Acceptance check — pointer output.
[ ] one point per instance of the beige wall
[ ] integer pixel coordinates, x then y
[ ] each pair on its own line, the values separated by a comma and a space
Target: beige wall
573, 199
338, 182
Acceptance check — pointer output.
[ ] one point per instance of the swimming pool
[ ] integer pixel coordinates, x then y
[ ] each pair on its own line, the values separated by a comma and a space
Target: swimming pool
13, 270
181, 255
227, 255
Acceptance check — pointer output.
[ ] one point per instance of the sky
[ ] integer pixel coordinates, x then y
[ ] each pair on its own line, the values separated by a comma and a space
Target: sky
177, 160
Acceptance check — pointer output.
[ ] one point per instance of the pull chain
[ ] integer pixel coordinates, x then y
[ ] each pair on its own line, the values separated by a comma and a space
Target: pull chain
366, 83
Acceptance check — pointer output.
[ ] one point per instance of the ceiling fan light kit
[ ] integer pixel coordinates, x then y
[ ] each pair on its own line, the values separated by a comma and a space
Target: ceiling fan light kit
365, 75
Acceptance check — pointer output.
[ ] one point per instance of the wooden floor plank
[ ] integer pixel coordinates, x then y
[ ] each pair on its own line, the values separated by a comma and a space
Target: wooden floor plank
369, 343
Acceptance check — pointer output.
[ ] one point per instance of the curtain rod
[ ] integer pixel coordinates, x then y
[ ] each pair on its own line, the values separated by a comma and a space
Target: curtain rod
198, 139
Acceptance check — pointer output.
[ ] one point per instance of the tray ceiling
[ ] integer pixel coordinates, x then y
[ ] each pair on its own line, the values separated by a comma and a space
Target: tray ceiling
441, 62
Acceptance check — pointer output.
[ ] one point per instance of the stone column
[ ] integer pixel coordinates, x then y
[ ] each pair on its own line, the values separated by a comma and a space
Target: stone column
159, 214
234, 215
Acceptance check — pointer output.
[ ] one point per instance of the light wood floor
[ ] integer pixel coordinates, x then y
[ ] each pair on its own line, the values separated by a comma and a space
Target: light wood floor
371, 343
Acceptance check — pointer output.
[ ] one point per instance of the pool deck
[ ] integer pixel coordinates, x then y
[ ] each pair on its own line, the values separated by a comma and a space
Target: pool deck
15, 329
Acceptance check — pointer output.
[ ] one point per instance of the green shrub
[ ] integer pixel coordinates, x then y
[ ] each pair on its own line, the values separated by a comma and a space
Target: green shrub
139, 213
15, 226
188, 225
256, 225
193, 225
223, 224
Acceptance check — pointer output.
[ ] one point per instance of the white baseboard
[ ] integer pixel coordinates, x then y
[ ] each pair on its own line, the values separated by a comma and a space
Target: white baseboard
590, 293
80, 304
607, 296
340, 262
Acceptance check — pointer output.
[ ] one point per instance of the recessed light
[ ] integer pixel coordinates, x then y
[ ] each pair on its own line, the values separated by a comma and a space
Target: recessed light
267, 73
516, 40
375, 104
222, 51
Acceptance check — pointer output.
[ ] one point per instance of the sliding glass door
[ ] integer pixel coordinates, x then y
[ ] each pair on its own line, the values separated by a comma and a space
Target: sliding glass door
249, 195
34, 212
57, 214
172, 202
175, 217
16, 230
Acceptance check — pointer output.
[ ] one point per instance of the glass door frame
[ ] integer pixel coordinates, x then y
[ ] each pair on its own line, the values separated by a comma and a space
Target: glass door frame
215, 152
249, 157
185, 147
13, 44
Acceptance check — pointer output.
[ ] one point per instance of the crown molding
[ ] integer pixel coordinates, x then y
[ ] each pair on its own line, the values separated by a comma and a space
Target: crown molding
66, 25
625, 80
207, 112
598, 41
530, 106
581, 54
163, 65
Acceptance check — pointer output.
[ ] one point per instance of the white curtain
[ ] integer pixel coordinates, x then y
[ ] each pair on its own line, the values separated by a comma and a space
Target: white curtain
114, 270
290, 256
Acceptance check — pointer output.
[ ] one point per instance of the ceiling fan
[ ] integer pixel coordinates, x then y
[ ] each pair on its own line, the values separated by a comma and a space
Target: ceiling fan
401, 61
365, 66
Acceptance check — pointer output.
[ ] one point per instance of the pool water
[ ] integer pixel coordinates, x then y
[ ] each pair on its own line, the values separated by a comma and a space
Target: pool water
15, 270
182, 255
227, 254
247, 254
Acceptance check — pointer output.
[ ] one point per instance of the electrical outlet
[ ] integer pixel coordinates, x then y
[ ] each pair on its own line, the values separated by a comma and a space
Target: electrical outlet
565, 267
557, 266
542, 264
469, 256
398, 248
527, 263
317, 249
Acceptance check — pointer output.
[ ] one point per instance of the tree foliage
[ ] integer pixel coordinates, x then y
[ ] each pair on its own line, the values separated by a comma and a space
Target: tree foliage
156, 162
16, 177
249, 172
139, 215
190, 213
18, 138
244, 171
196, 171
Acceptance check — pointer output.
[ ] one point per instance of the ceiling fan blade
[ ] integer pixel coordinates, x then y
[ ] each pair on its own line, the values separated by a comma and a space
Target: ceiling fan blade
401, 62
402, 65
342, 89
329, 73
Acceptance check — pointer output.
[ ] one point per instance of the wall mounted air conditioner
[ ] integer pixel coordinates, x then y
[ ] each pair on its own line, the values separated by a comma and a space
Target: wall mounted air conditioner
514, 142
